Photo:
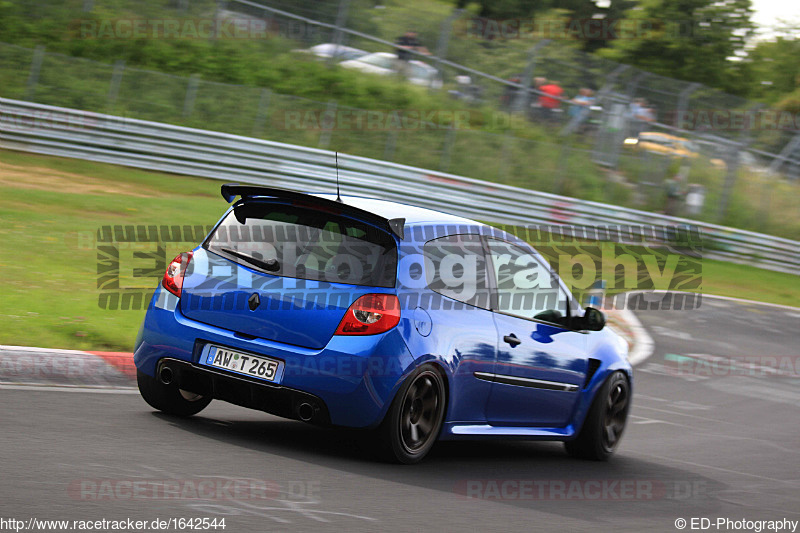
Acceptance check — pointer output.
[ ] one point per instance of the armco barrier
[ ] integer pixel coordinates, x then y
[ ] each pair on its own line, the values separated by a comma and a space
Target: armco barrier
67, 132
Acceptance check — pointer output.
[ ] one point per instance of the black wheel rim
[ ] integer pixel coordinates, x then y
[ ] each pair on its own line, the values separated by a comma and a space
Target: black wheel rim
419, 415
615, 415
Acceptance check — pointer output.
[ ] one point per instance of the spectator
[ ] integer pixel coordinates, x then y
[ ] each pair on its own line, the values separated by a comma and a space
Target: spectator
552, 93
406, 43
676, 190
548, 105
581, 103
510, 93
640, 115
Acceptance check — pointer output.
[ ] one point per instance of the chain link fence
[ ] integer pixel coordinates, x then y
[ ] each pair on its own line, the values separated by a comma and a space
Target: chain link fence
743, 178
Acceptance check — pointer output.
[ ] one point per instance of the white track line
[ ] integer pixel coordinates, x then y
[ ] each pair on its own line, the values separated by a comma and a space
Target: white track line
642, 342
729, 298
61, 388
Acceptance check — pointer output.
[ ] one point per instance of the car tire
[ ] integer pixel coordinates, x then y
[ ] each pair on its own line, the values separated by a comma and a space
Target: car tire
169, 398
414, 420
605, 422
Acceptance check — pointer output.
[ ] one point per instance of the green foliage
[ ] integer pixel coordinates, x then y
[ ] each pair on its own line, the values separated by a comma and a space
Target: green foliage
155, 83
506, 9
688, 39
791, 102
775, 71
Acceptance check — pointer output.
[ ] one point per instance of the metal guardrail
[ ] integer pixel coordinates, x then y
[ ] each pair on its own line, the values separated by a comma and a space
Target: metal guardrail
64, 132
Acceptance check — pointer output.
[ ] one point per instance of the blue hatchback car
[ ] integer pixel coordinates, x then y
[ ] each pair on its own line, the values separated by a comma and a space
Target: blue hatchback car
372, 314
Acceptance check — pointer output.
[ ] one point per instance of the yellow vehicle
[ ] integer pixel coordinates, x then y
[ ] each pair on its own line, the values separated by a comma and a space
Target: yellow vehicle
663, 143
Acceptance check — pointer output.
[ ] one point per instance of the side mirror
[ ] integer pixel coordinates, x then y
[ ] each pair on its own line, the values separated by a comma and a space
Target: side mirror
592, 320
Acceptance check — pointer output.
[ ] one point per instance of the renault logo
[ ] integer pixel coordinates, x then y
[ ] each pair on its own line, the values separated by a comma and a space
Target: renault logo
254, 301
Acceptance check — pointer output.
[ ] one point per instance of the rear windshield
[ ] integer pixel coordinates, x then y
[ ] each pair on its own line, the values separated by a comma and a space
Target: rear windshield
291, 241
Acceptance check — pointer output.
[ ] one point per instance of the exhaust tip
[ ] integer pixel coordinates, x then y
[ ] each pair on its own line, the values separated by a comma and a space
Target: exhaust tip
305, 411
165, 375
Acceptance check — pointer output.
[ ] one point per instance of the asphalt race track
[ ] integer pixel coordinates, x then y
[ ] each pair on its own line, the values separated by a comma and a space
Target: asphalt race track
713, 433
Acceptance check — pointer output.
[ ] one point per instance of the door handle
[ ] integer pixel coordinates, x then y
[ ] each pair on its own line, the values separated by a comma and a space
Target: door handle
512, 340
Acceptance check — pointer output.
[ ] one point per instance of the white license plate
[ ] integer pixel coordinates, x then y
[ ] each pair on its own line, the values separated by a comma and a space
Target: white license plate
243, 363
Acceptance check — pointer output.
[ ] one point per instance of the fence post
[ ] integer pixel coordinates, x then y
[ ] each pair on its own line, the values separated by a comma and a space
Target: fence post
561, 166
505, 154
619, 125
191, 95
329, 118
261, 112
610, 135
730, 180
787, 151
444, 39
683, 102
522, 99
391, 145
608, 86
633, 85
116, 80
33, 76
217, 16
341, 20
766, 200
447, 148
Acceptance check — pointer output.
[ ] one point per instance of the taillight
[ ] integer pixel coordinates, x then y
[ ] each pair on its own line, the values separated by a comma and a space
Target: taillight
370, 314
173, 277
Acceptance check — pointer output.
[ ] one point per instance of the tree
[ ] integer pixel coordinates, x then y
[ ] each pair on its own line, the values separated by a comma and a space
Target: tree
775, 69
576, 20
506, 9
593, 21
693, 40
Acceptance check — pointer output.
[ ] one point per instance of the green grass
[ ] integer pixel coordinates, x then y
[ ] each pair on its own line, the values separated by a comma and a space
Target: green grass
741, 281
235, 75
48, 257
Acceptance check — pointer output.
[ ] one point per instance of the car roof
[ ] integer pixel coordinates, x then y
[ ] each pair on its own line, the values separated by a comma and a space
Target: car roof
658, 134
332, 46
413, 214
381, 54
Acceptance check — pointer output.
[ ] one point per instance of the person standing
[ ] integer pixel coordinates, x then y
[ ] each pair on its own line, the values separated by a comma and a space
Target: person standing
550, 99
405, 44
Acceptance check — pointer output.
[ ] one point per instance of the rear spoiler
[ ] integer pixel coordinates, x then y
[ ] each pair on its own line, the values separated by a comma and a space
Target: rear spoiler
231, 190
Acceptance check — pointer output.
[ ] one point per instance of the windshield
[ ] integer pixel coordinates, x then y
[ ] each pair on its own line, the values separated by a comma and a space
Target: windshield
302, 243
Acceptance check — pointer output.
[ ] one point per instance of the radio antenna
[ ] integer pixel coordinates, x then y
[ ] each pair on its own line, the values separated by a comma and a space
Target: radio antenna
338, 196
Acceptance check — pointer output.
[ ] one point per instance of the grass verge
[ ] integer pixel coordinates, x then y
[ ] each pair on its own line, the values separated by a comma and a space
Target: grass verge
51, 209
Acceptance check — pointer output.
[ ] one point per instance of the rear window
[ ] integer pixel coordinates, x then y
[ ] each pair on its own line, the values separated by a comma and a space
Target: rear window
303, 243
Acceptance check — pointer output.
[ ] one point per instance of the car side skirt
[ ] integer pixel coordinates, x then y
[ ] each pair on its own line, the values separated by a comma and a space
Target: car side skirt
455, 430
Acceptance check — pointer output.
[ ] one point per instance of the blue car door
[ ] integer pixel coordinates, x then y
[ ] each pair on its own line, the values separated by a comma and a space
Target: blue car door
541, 365
454, 319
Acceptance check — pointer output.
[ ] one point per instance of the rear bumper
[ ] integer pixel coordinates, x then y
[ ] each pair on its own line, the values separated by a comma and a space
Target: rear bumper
354, 378
246, 392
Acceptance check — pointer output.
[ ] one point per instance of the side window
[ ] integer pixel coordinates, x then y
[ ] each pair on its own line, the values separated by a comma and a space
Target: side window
455, 266
526, 287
